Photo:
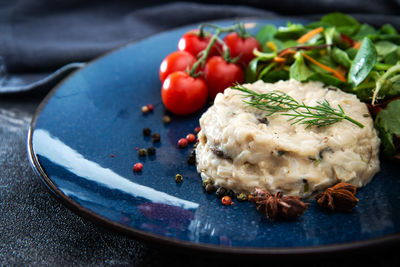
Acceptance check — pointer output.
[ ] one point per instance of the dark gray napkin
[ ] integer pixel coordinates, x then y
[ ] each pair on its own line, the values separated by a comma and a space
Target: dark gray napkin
38, 37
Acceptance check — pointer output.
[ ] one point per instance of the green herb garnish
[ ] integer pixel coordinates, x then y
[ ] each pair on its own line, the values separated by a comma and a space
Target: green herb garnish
323, 114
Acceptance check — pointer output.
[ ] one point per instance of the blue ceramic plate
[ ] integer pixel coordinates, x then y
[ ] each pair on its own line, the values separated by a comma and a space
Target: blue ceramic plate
83, 141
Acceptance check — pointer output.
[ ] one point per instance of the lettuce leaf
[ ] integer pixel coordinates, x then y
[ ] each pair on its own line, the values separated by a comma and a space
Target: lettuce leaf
388, 124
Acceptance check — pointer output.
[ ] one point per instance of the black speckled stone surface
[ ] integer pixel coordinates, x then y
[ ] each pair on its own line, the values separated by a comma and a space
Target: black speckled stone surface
35, 229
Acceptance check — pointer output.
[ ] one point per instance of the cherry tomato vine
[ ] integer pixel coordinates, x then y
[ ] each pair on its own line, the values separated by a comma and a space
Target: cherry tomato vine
204, 66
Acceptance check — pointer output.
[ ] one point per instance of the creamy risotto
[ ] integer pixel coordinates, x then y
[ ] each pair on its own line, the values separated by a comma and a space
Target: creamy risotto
241, 149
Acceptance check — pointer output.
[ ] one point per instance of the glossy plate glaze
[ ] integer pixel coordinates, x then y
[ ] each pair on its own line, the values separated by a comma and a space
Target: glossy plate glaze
83, 141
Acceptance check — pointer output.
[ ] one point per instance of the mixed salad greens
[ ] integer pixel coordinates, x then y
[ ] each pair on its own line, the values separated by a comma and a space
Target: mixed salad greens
341, 52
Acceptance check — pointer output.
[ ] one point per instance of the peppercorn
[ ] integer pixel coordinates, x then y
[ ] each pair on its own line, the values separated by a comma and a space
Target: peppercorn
183, 142
166, 119
191, 160
206, 182
151, 151
146, 131
150, 107
142, 152
145, 109
156, 137
191, 138
227, 201
178, 178
221, 192
138, 167
210, 188
197, 130
242, 197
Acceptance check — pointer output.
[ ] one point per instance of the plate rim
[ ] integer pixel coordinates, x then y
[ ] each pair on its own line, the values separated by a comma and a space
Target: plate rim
169, 242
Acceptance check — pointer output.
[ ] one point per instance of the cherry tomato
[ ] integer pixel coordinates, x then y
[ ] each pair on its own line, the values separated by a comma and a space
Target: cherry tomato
241, 46
220, 74
183, 94
192, 42
176, 61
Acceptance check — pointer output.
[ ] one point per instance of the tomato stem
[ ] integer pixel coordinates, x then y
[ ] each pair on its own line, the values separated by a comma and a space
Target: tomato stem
242, 31
204, 54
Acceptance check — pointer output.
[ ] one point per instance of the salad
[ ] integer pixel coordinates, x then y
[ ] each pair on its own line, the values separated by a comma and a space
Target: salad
337, 50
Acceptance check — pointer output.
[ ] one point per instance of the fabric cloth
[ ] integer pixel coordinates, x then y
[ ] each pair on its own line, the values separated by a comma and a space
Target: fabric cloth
37, 37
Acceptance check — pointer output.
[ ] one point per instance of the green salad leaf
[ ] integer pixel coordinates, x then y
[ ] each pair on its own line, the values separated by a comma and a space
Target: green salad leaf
363, 31
299, 70
266, 33
388, 124
341, 57
363, 63
343, 23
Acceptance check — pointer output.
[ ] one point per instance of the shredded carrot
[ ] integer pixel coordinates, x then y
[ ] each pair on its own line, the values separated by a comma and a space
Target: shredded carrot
341, 70
285, 52
334, 72
357, 45
271, 45
309, 35
279, 59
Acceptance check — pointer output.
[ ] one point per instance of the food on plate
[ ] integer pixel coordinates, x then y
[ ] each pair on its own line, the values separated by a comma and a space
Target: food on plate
388, 123
286, 207
339, 51
289, 132
341, 197
176, 61
242, 146
196, 41
242, 45
183, 94
220, 74
219, 65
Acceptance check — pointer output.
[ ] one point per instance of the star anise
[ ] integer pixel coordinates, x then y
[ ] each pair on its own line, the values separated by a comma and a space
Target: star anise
274, 206
341, 197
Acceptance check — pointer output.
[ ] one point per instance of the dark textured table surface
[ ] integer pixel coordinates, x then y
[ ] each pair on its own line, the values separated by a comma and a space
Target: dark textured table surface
35, 229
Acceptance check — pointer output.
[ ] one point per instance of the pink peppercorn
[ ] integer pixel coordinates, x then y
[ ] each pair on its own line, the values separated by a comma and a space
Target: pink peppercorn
227, 201
191, 138
183, 142
138, 167
197, 130
150, 107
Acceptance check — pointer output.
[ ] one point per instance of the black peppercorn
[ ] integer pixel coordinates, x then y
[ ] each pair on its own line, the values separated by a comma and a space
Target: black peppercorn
230, 193
156, 137
146, 131
206, 182
151, 151
142, 152
210, 188
191, 160
221, 192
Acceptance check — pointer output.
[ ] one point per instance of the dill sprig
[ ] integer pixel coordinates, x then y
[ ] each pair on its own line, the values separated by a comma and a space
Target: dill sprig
323, 114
